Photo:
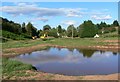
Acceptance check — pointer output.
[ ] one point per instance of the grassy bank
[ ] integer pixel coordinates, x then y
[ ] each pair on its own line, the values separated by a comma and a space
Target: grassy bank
14, 69
57, 41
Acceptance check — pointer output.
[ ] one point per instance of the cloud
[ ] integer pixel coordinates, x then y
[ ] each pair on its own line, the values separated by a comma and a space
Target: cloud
28, 9
17, 10
50, 12
77, 12
22, 4
99, 12
69, 22
73, 15
103, 17
41, 19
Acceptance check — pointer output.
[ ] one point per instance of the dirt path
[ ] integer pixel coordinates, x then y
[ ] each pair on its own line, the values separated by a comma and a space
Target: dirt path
48, 76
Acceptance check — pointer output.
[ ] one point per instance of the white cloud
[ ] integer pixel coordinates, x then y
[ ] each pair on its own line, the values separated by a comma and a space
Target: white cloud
69, 22
103, 17
99, 12
27, 9
17, 10
41, 19
77, 12
22, 4
43, 12
73, 15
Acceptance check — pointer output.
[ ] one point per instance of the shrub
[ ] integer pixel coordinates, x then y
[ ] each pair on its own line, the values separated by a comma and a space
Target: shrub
13, 36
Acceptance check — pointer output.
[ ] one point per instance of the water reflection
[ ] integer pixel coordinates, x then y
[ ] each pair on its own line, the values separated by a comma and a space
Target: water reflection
87, 53
72, 61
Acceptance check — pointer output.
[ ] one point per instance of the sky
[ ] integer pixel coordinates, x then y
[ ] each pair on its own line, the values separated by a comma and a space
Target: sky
59, 13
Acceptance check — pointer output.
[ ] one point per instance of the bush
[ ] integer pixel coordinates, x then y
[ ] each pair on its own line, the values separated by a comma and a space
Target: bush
53, 33
87, 29
13, 36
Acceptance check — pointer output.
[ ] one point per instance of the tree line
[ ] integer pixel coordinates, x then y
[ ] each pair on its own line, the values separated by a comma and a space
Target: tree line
16, 31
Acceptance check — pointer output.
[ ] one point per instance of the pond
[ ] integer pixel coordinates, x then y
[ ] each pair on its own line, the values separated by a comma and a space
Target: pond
73, 62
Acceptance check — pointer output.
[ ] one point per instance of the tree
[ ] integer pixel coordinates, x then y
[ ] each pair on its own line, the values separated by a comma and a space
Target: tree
53, 33
23, 28
87, 53
11, 26
31, 30
87, 29
71, 31
115, 23
59, 29
103, 25
46, 27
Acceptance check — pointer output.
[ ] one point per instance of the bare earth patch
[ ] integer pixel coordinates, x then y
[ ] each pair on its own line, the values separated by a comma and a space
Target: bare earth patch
34, 75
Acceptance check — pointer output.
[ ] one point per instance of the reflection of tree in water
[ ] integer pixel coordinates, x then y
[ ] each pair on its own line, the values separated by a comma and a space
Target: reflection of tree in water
114, 53
29, 53
71, 49
87, 53
102, 52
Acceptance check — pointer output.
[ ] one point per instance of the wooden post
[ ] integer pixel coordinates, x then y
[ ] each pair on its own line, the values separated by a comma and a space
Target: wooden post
72, 31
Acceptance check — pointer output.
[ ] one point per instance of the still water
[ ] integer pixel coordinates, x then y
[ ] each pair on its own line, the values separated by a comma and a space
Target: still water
72, 61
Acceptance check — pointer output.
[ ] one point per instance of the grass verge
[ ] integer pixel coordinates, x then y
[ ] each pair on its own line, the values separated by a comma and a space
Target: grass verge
12, 68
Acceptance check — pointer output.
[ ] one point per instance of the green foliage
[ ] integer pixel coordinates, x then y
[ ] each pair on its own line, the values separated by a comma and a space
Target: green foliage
103, 25
11, 26
53, 32
59, 29
13, 36
31, 30
111, 34
71, 30
46, 27
87, 29
16, 31
115, 23
23, 28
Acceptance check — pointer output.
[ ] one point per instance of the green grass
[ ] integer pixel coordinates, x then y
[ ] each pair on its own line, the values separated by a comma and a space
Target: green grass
0, 72
20, 43
14, 68
111, 35
72, 42
57, 41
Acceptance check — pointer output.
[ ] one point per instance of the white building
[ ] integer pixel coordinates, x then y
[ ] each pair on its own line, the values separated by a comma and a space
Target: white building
96, 36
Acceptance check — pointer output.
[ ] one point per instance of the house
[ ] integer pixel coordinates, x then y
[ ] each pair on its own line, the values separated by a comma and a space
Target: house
96, 36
